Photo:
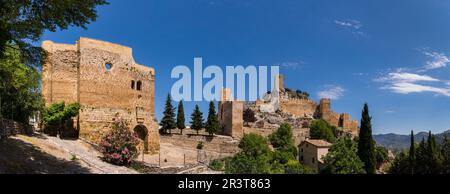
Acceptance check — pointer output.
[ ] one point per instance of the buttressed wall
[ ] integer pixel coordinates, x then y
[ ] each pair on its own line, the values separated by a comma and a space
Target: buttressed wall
104, 78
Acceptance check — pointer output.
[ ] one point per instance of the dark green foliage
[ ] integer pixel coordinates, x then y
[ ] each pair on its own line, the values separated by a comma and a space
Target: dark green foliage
180, 117
382, 156
366, 144
283, 139
20, 97
218, 165
249, 116
445, 150
254, 145
342, 158
412, 154
401, 164
57, 119
245, 164
433, 155
253, 158
24, 22
168, 121
320, 129
429, 158
197, 119
212, 123
256, 157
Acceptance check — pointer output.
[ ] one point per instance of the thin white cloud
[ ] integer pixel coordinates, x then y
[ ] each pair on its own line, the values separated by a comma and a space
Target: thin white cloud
332, 92
407, 88
355, 24
401, 82
390, 111
437, 60
406, 77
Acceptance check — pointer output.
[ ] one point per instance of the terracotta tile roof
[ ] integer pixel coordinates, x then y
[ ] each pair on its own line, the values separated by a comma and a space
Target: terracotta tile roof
319, 142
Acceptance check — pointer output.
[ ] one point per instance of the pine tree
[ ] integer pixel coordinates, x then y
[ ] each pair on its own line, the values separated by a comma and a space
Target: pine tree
197, 119
412, 154
212, 124
180, 117
168, 120
366, 144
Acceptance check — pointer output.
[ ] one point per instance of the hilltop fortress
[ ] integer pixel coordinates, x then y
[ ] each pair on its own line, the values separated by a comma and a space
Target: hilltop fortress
104, 78
282, 106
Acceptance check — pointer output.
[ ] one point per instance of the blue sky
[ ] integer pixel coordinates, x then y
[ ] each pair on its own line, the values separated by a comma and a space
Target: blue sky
391, 54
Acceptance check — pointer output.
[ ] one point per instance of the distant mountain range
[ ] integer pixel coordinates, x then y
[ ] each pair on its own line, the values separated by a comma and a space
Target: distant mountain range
396, 142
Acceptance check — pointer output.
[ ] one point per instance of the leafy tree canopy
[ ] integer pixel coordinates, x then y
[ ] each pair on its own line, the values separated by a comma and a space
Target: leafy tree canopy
23, 22
320, 129
342, 158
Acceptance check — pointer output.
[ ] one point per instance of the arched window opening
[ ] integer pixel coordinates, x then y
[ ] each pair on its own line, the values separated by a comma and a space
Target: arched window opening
139, 85
132, 84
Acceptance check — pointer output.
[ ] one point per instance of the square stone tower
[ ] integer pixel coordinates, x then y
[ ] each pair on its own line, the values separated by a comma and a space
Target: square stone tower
231, 115
104, 78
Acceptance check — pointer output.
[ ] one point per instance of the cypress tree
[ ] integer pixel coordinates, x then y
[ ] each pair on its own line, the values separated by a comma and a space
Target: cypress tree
366, 144
197, 119
421, 158
168, 120
412, 154
433, 155
180, 117
445, 151
212, 124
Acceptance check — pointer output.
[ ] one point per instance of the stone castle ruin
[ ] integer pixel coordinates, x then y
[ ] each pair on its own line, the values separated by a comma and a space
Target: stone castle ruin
282, 106
104, 78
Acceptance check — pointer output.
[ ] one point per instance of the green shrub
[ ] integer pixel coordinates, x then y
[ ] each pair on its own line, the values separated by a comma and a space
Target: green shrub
57, 119
320, 129
217, 165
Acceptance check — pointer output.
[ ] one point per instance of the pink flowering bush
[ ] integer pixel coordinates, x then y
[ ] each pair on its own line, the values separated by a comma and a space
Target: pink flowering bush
118, 146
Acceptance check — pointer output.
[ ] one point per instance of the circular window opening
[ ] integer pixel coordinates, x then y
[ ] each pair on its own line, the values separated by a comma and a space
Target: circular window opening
108, 66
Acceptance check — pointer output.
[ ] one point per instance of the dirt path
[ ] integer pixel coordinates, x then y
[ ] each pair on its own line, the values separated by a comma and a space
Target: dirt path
41, 154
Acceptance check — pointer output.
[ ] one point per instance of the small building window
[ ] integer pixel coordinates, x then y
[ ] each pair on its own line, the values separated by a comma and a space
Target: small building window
313, 160
301, 158
139, 86
132, 84
108, 66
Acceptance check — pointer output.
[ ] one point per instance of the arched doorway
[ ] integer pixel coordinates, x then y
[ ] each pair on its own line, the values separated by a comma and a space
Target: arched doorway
142, 133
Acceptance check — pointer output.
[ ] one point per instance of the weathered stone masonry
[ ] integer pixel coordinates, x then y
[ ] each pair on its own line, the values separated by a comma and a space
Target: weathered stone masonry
104, 78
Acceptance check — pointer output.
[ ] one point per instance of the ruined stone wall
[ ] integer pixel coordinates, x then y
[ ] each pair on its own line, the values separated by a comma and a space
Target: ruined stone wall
103, 77
343, 120
59, 73
349, 125
299, 107
218, 144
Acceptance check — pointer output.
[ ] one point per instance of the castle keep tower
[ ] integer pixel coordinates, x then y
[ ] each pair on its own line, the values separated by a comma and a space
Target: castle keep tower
230, 115
104, 78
